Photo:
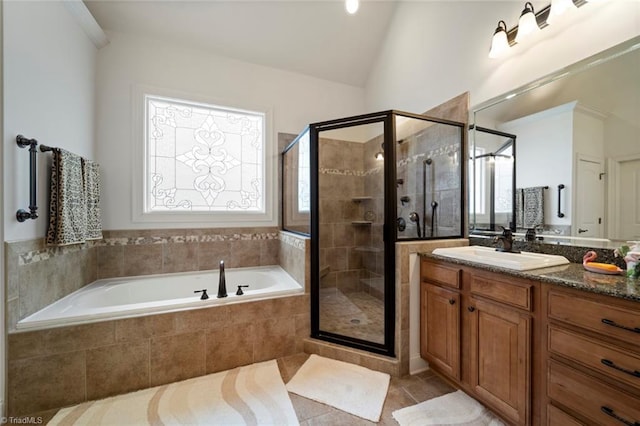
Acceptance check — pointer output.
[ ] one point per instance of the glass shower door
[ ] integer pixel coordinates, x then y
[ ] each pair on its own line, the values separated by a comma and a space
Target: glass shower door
352, 296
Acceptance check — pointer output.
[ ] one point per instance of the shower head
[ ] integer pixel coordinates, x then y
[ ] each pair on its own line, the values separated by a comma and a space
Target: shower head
415, 218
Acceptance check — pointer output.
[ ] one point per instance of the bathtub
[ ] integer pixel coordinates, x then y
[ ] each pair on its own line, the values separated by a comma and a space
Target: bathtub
116, 298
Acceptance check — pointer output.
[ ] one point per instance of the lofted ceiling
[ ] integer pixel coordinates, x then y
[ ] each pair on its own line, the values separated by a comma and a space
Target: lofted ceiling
316, 38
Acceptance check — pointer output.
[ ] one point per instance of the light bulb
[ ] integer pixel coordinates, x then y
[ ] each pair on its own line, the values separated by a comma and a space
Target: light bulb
528, 23
559, 7
352, 6
499, 42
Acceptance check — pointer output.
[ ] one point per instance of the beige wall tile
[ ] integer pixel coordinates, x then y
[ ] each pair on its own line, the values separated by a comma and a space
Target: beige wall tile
274, 338
117, 369
269, 252
142, 259
177, 357
144, 327
229, 347
110, 261
211, 253
202, 319
244, 253
179, 257
35, 287
47, 382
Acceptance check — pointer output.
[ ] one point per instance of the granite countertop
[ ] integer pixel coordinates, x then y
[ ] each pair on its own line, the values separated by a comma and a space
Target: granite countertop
571, 275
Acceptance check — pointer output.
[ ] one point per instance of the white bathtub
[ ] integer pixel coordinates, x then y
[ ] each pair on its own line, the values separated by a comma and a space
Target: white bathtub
117, 298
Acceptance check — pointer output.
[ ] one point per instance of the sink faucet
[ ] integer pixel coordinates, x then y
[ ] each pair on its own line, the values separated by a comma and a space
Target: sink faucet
507, 241
222, 284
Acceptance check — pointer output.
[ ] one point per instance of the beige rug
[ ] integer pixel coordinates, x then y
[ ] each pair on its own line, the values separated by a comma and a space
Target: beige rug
251, 395
455, 408
348, 387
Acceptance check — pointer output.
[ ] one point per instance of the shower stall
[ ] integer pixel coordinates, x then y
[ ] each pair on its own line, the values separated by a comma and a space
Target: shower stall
357, 186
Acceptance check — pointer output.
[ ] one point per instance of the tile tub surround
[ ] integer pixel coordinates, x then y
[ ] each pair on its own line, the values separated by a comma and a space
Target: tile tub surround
52, 368
38, 275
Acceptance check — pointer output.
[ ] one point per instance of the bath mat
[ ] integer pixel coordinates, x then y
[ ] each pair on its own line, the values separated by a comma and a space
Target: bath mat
347, 387
455, 408
251, 395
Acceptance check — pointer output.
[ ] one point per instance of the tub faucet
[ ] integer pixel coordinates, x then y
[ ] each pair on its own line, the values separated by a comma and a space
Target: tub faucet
222, 284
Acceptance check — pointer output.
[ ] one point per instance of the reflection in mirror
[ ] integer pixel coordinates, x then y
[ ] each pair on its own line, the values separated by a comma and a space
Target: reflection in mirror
493, 172
578, 130
296, 201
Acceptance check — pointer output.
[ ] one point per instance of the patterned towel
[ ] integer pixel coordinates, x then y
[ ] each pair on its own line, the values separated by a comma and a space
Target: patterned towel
533, 202
74, 212
91, 175
519, 208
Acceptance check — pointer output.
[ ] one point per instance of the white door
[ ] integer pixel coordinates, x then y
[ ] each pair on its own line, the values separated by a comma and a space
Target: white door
630, 200
589, 199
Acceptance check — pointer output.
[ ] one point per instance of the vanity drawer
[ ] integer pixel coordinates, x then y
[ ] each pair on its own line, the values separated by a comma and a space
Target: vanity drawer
512, 293
445, 275
590, 397
610, 320
617, 363
557, 417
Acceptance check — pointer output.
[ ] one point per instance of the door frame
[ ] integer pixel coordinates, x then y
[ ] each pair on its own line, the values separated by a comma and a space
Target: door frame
612, 196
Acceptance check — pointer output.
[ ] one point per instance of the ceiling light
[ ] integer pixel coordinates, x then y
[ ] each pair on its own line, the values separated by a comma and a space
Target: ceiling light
352, 6
499, 43
528, 23
559, 7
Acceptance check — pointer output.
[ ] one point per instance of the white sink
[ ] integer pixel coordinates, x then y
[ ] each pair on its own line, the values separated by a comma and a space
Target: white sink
489, 256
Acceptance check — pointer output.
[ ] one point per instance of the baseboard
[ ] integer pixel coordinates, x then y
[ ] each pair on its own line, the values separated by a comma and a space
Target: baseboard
417, 365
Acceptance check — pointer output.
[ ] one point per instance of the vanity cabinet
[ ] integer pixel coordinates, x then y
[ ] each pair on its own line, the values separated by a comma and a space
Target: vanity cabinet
534, 353
491, 320
440, 313
593, 365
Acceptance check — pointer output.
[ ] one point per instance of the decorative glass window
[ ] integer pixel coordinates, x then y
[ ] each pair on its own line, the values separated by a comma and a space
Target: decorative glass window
203, 158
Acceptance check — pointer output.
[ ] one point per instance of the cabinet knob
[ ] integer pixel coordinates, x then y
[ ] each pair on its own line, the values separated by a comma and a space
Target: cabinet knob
452, 301
471, 308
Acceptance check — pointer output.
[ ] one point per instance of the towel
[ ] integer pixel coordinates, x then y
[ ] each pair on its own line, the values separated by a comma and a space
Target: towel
74, 191
91, 179
533, 206
519, 208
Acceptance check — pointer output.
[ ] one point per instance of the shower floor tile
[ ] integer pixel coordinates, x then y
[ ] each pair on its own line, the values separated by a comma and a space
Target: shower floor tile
354, 314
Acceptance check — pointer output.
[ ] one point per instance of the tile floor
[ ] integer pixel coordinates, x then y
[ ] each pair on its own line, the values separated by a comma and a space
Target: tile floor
354, 314
403, 392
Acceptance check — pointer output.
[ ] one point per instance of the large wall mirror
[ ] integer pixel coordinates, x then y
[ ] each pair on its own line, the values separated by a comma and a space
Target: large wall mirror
574, 139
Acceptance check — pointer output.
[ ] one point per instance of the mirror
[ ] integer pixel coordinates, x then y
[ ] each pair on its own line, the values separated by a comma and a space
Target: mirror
577, 155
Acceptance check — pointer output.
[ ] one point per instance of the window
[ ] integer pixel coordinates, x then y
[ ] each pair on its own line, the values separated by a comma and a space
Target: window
304, 175
479, 203
203, 158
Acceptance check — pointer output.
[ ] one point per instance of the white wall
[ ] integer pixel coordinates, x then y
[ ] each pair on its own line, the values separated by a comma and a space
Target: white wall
622, 138
295, 100
437, 50
546, 140
49, 76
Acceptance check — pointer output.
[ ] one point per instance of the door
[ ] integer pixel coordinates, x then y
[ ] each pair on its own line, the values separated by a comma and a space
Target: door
589, 206
440, 328
500, 350
630, 199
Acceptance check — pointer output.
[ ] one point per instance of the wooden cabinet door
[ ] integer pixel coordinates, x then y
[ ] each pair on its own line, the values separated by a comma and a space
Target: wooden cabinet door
440, 328
500, 353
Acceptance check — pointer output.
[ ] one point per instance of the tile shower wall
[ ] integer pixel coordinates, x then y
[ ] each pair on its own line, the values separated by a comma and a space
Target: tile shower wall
38, 275
341, 180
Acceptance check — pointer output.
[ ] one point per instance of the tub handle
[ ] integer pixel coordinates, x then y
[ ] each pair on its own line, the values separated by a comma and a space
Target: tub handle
204, 296
240, 292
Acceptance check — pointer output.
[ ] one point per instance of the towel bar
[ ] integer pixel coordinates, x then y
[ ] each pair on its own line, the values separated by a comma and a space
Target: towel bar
560, 188
22, 214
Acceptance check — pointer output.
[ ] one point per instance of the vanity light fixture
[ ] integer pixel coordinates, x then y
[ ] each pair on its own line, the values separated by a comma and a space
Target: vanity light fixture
499, 42
528, 23
558, 8
352, 6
